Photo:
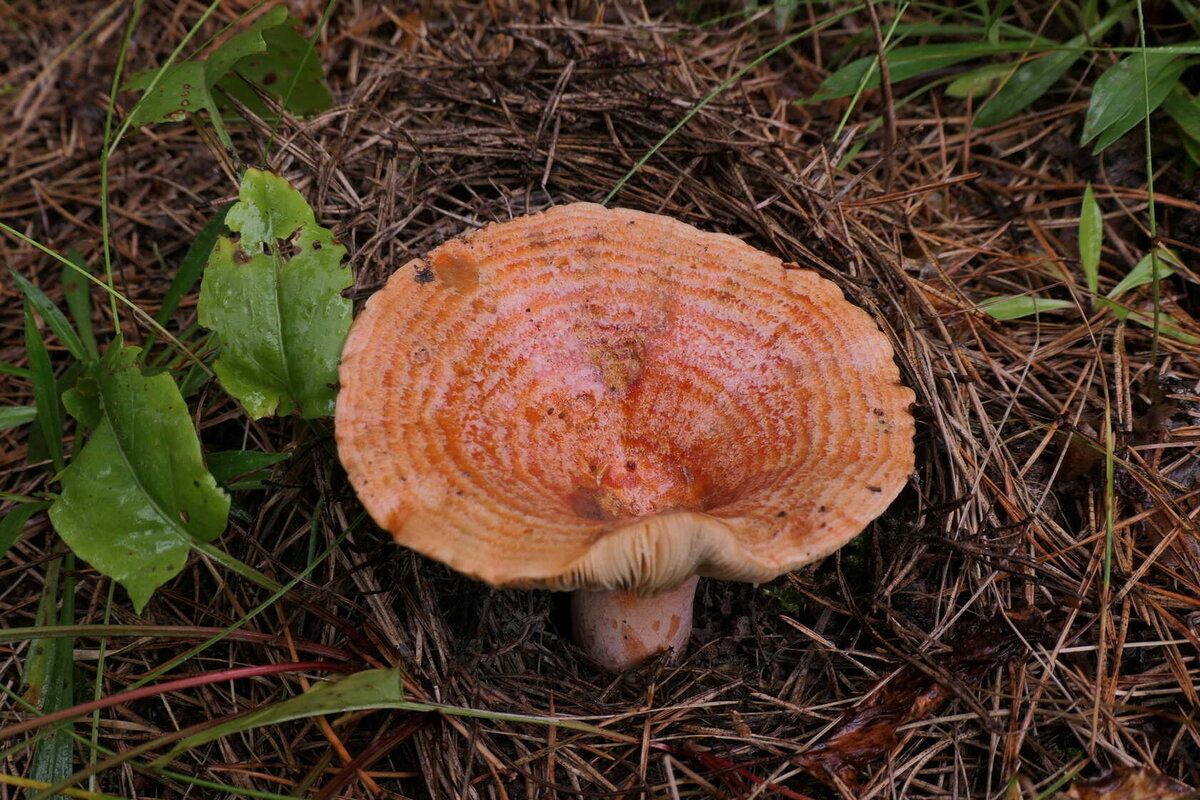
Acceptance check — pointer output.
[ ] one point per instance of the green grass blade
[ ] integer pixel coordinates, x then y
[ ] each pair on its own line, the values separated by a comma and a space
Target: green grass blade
54, 758
12, 369
15, 416
1154, 266
1006, 307
907, 62
79, 301
1091, 239
54, 317
1127, 93
14, 522
717, 92
190, 270
45, 393
1034, 78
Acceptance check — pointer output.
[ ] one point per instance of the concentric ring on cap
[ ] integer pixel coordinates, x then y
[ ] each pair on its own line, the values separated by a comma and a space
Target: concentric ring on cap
603, 398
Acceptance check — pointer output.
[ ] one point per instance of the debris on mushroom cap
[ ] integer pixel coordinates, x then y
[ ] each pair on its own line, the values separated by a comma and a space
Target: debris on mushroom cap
608, 399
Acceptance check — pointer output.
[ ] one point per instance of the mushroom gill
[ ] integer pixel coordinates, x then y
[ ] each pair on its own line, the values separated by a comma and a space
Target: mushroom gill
607, 399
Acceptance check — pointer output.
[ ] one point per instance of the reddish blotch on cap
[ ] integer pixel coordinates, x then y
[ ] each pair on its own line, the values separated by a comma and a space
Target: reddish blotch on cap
608, 399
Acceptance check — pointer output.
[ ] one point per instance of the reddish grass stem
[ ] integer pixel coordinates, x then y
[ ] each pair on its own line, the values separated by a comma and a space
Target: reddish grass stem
169, 686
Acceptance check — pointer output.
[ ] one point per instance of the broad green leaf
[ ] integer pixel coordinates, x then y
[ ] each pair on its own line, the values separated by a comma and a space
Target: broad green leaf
45, 392
1119, 97
137, 494
1034, 78
1146, 270
273, 297
186, 88
1009, 306
54, 317
14, 416
77, 290
242, 469
979, 81
181, 91
289, 70
369, 689
908, 62
13, 523
1091, 239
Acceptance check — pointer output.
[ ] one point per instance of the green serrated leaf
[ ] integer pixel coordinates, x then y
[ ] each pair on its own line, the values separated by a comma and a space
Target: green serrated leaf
45, 392
14, 416
369, 689
137, 494
14, 522
1008, 306
1091, 239
289, 70
242, 469
186, 88
1158, 263
1119, 96
54, 317
1034, 78
273, 297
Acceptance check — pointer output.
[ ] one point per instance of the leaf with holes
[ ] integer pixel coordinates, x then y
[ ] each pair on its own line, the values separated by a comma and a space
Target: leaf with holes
273, 296
288, 70
186, 88
137, 494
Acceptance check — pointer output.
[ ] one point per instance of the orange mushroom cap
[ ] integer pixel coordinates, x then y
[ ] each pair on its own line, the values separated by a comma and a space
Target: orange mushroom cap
608, 399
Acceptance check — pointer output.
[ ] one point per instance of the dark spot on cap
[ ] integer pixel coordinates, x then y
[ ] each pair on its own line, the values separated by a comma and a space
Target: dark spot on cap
424, 274
781, 514
631, 465
875, 489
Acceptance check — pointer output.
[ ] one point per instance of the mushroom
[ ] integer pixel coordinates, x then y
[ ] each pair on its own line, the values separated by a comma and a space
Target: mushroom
615, 402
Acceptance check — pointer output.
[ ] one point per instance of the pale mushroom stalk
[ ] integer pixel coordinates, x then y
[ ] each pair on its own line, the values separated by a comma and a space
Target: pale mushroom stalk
589, 398
619, 629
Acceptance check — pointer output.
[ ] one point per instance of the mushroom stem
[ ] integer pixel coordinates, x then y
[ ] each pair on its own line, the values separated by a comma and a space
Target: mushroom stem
622, 629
